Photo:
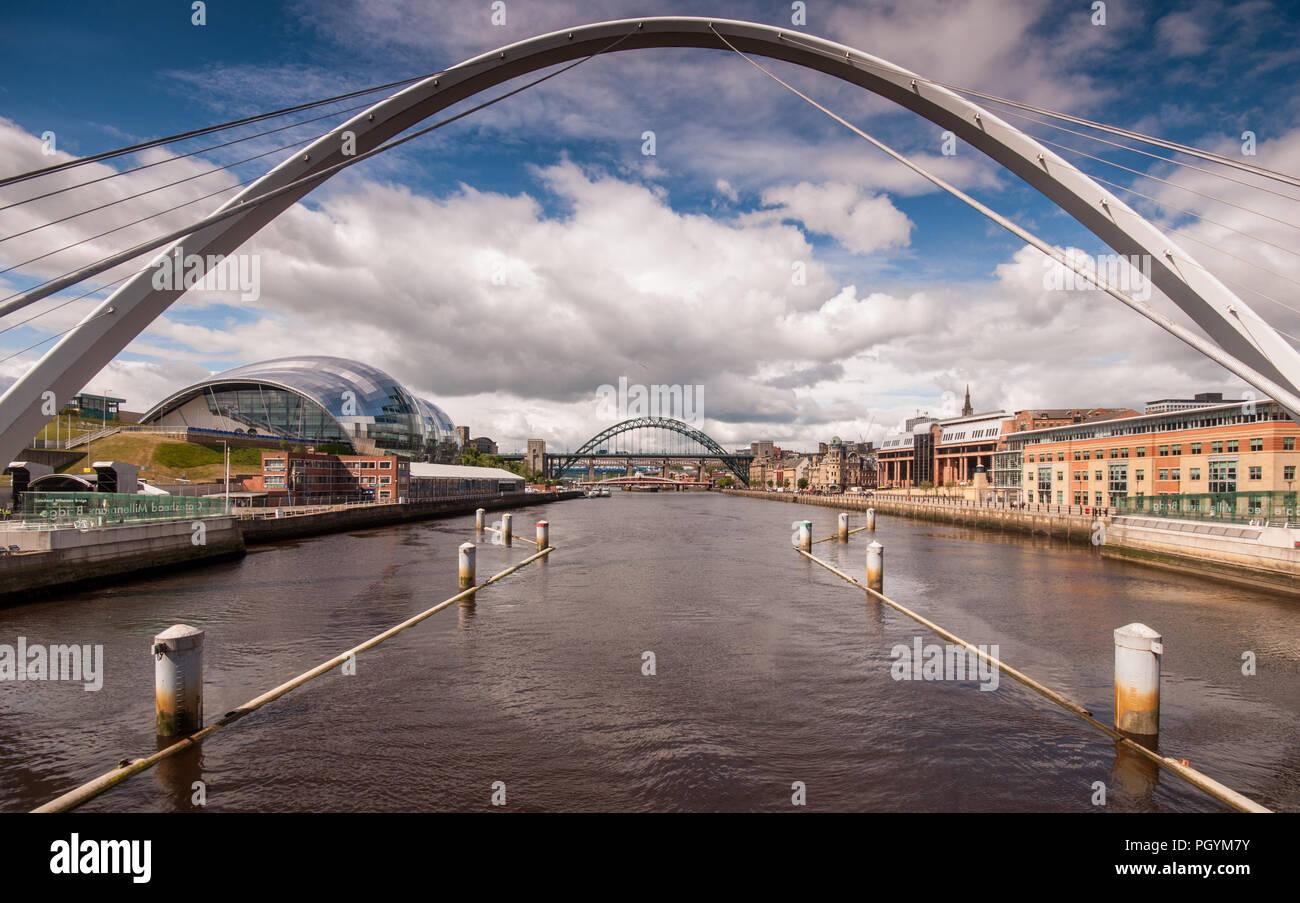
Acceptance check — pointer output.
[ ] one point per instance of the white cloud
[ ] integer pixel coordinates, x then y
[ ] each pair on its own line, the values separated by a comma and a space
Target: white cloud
1183, 33
861, 223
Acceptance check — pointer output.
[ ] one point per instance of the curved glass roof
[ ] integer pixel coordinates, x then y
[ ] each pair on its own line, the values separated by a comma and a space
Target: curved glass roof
364, 400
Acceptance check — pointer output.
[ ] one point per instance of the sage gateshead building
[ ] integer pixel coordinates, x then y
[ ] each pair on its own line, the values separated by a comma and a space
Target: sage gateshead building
313, 400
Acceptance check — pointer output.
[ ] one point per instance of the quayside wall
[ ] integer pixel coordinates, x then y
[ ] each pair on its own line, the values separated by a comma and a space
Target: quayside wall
1261, 556
267, 528
63, 560
50, 561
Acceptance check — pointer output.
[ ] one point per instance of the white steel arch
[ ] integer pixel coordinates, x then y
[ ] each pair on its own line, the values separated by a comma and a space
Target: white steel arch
1229, 321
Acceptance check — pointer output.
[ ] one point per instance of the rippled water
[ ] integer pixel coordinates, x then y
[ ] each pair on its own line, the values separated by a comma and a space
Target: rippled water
770, 670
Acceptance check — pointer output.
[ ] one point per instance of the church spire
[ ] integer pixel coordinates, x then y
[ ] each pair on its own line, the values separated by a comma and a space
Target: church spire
966, 409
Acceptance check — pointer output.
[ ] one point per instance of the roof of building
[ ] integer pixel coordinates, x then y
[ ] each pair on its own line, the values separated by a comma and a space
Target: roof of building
1133, 423
461, 472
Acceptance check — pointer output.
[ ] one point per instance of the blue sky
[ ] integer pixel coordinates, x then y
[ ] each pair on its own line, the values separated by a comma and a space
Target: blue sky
628, 265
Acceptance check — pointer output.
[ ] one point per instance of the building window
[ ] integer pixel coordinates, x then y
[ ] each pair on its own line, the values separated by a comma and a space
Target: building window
1162, 474
1257, 473
1216, 448
1140, 476
1223, 476
1114, 452
1196, 448
1078, 456
1031, 459
1175, 450
1173, 474
1123, 452
1060, 456
1164, 451
1060, 475
1257, 444
1076, 499
1193, 473
1118, 479
1098, 497
1098, 476
1142, 451
1288, 472
1045, 481
1087, 455
1232, 445
1288, 443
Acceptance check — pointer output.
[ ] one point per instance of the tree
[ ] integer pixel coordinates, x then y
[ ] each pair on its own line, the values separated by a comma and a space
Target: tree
803, 482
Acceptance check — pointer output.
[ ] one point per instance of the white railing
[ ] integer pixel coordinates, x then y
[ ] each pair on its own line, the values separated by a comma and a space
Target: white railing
96, 435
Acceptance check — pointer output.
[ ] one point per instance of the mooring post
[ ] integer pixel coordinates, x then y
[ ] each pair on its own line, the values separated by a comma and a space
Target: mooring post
876, 567
844, 526
543, 535
478, 520
805, 535
468, 563
1138, 649
505, 529
871, 520
178, 680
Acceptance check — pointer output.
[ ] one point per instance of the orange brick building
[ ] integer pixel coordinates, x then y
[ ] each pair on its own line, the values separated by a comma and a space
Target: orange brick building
1207, 452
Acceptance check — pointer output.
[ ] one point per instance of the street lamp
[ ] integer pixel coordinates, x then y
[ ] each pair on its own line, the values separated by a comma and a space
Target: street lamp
225, 446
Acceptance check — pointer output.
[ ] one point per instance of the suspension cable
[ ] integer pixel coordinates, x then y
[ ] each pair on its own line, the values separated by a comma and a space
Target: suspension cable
194, 133
172, 159
1138, 172
1283, 396
207, 172
1076, 120
308, 182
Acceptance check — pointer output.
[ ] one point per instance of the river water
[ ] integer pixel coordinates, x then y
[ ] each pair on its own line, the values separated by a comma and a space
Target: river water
768, 671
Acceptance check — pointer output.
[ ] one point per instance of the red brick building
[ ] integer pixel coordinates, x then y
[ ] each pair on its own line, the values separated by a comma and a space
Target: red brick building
305, 477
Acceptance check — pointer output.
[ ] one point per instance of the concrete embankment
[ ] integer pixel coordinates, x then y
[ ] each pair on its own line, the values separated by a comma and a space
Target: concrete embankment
273, 529
52, 561
61, 560
1259, 556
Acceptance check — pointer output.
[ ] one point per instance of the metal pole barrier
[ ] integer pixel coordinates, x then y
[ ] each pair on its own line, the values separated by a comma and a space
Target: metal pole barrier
1137, 680
468, 564
178, 680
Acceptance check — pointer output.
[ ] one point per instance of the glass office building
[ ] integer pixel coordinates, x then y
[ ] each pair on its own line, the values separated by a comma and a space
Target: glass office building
312, 400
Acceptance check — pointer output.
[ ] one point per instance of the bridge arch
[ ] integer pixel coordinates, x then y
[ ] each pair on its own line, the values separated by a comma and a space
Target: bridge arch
1247, 338
592, 446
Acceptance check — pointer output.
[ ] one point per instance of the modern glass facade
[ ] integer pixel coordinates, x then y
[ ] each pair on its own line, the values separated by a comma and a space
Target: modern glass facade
314, 400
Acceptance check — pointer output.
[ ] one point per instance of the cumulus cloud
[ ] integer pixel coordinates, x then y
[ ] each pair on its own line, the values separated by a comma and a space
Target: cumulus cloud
861, 223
